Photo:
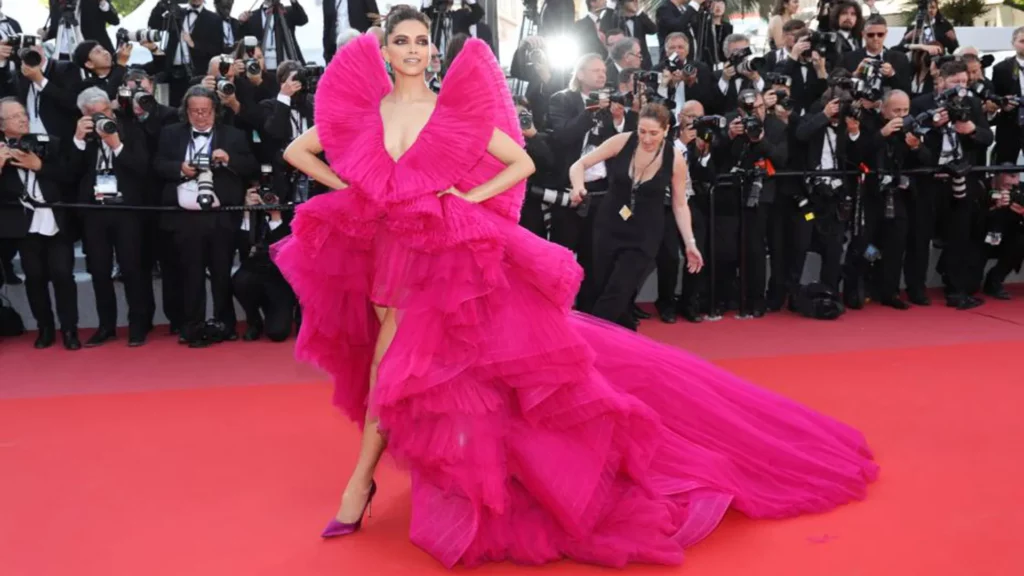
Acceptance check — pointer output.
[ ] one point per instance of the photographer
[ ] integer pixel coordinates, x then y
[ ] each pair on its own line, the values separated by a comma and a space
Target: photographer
111, 162
578, 125
274, 26
1005, 232
874, 63
31, 173
846, 19
98, 68
229, 24
285, 119
626, 16
832, 135
252, 76
931, 26
543, 179
959, 137
894, 144
46, 90
88, 19
1006, 83
204, 164
805, 67
191, 37
530, 63
264, 294
623, 54
740, 72
754, 145
449, 22
225, 77
695, 142
587, 31
684, 79
358, 14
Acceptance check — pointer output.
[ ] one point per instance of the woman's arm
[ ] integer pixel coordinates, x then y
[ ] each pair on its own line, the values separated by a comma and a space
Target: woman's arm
681, 210
577, 172
775, 31
302, 154
518, 167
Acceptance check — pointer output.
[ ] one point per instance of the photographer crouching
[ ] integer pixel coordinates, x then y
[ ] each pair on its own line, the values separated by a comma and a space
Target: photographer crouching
542, 185
266, 297
1005, 237
111, 162
205, 164
32, 174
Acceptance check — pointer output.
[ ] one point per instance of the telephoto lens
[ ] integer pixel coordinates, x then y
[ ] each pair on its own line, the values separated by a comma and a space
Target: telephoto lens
226, 86
104, 125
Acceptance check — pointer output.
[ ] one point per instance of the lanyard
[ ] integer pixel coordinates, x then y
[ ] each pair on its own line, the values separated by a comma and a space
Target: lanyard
28, 178
297, 123
104, 159
191, 152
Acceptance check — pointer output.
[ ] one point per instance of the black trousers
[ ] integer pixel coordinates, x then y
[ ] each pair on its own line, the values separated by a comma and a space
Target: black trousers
921, 216
824, 235
619, 272
754, 253
50, 260
889, 236
695, 285
667, 262
962, 260
172, 283
1010, 252
266, 297
8, 249
107, 233
576, 233
199, 251
532, 217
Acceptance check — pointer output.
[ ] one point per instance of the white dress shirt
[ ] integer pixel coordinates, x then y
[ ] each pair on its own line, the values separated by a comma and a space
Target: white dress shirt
188, 191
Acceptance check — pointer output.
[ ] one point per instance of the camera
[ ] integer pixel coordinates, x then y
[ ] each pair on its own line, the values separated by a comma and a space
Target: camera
550, 196
745, 62
32, 144
869, 85
201, 162
21, 44
146, 36
955, 102
122, 37
753, 127
266, 191
309, 76
128, 97
706, 126
225, 86
224, 65
821, 42
525, 120
250, 43
205, 199
776, 79
917, 125
252, 67
103, 124
674, 64
849, 107
1017, 196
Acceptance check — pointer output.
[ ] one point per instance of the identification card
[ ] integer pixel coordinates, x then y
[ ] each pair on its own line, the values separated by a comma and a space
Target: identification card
625, 213
106, 187
256, 137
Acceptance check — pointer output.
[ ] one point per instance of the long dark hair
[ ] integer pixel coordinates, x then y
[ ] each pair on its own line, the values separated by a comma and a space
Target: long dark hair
199, 91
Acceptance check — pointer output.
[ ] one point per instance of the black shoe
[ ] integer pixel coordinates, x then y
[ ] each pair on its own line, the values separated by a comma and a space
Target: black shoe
963, 302
996, 290
70, 337
230, 336
253, 332
137, 336
640, 314
919, 299
894, 302
758, 312
174, 329
667, 315
46, 337
100, 336
691, 313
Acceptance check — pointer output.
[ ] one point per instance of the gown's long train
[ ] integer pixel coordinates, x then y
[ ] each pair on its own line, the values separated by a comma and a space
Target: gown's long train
531, 432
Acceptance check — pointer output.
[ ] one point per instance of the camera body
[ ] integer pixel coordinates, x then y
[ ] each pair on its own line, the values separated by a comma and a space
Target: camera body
32, 144
201, 162
1017, 196
777, 79
309, 76
745, 62
22, 44
266, 184
753, 127
956, 103
707, 126
822, 43
917, 125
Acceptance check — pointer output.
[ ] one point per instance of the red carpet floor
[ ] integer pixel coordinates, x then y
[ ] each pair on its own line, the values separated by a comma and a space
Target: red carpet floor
228, 461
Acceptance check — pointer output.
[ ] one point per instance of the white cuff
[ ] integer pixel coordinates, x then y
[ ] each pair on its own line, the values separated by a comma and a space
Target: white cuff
723, 85
704, 160
275, 224
284, 99
40, 86
117, 151
104, 6
80, 144
853, 137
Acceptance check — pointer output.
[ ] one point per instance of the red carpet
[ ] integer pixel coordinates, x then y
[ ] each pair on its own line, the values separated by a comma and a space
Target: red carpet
228, 461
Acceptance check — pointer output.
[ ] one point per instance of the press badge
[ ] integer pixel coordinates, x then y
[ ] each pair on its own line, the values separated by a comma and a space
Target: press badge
106, 187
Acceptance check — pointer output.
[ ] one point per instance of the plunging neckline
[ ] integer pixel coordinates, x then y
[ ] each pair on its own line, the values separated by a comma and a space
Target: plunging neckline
415, 141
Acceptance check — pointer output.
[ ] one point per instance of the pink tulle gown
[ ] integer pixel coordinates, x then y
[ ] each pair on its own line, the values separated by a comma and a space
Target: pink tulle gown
532, 433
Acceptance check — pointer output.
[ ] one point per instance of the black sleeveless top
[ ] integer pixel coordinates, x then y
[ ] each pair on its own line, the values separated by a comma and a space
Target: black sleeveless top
643, 230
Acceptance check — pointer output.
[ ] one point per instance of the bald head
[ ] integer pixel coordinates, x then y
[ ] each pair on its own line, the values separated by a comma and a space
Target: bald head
693, 108
895, 104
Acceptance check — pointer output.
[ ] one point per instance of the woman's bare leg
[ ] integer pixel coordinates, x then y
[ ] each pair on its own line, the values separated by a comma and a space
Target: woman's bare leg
372, 447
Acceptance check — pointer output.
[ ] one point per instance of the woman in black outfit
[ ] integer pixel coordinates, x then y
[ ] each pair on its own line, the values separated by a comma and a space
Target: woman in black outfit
642, 167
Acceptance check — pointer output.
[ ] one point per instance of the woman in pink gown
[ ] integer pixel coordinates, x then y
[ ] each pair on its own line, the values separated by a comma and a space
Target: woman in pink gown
532, 433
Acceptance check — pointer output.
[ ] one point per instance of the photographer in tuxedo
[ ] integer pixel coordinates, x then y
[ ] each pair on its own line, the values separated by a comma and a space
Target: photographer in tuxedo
682, 78
626, 16
266, 297
958, 139
97, 66
754, 144
696, 147
204, 164
892, 65
110, 160
157, 244
47, 93
274, 26
92, 17
191, 38
285, 119
32, 174
1005, 238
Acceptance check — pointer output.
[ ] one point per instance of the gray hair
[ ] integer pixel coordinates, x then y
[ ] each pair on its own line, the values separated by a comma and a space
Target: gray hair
887, 97
621, 48
91, 97
574, 84
733, 39
3, 102
347, 35
677, 36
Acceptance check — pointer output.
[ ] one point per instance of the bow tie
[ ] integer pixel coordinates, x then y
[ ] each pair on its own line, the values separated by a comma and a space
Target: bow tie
198, 134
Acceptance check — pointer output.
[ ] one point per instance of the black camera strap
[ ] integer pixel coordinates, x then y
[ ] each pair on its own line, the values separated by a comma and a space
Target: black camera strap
104, 159
190, 153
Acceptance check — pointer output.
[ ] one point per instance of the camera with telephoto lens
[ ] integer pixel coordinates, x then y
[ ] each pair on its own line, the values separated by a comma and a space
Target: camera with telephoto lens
550, 196
22, 44
957, 171
201, 162
849, 106
956, 103
917, 125
146, 36
128, 98
1017, 196
744, 61
205, 198
122, 37
753, 127
266, 191
525, 120
707, 126
102, 125
776, 79
675, 64
32, 144
869, 85
309, 76
821, 42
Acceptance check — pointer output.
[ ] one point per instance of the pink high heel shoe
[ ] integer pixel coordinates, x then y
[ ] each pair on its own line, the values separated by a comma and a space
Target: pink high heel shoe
335, 529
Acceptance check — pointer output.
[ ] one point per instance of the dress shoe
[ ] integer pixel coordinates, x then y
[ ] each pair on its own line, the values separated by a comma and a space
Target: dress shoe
691, 314
137, 336
640, 314
668, 315
70, 337
996, 290
253, 332
336, 529
894, 302
47, 335
919, 299
101, 335
963, 301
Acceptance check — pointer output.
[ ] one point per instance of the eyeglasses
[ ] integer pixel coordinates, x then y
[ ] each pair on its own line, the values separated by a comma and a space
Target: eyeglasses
200, 111
874, 34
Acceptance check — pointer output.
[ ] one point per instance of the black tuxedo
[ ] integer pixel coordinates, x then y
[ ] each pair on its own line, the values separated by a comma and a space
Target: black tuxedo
642, 27
266, 297
106, 231
729, 101
56, 102
584, 31
900, 80
357, 19
294, 16
1006, 82
803, 93
92, 21
672, 18
205, 240
207, 38
230, 40
704, 91
278, 131
45, 259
